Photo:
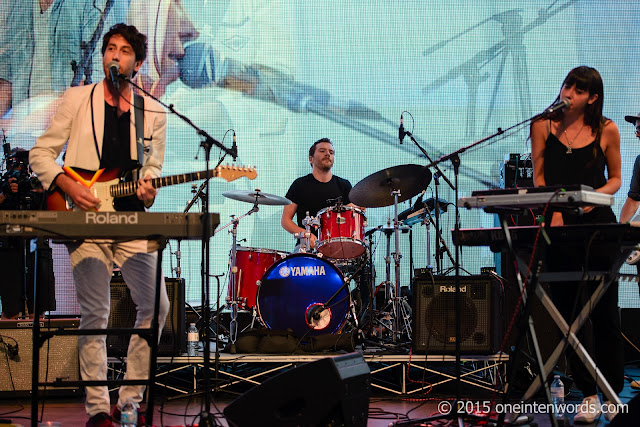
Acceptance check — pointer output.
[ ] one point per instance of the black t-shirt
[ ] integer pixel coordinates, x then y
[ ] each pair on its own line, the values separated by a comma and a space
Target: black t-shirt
312, 195
634, 188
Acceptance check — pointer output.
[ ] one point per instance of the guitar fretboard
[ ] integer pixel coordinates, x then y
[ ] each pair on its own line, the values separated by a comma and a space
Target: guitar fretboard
129, 188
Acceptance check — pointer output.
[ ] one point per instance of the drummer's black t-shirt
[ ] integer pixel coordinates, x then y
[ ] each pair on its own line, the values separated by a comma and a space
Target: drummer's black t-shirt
312, 195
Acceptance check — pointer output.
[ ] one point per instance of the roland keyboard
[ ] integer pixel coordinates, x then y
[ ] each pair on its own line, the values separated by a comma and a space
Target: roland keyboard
104, 225
627, 235
536, 197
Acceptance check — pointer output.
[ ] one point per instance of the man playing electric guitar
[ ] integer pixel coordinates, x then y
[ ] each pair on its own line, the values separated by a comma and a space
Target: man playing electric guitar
105, 127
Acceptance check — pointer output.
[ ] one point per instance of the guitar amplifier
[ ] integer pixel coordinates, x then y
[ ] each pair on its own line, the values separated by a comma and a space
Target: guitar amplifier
123, 315
434, 315
58, 358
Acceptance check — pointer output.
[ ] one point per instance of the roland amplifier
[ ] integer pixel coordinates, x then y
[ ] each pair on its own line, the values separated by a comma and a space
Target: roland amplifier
58, 357
434, 315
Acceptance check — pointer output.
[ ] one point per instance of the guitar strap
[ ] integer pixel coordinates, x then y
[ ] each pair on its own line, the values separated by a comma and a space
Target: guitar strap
138, 105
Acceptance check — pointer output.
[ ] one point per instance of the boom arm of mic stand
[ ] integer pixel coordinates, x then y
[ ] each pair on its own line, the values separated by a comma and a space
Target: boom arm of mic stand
208, 140
434, 164
500, 131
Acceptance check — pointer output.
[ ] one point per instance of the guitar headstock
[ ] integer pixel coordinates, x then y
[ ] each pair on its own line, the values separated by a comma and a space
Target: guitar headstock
232, 172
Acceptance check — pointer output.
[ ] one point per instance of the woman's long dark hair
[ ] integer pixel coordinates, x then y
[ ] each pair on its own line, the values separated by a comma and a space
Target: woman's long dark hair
588, 79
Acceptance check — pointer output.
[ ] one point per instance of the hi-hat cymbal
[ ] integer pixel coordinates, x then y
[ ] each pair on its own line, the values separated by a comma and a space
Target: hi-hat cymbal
375, 191
257, 195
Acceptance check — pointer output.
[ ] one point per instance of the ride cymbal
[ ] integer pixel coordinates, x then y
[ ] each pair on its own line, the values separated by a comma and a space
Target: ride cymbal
375, 191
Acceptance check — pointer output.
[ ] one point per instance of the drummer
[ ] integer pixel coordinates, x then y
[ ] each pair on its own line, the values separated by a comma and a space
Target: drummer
315, 191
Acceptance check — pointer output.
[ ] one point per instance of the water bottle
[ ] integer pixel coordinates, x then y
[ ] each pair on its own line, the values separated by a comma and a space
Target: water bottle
557, 396
192, 340
129, 414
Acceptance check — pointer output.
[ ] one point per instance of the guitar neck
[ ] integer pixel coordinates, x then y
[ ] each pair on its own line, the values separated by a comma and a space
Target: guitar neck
124, 189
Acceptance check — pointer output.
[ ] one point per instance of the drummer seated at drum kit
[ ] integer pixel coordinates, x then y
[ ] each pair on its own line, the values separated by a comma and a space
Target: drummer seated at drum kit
327, 195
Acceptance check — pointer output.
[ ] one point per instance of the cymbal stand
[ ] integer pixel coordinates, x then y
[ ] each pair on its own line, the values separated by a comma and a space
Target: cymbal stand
436, 184
398, 308
233, 268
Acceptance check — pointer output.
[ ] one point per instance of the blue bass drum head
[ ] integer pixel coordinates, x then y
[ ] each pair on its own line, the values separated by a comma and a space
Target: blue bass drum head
293, 292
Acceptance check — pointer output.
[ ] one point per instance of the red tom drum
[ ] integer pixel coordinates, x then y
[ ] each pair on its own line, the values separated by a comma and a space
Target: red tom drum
341, 234
252, 263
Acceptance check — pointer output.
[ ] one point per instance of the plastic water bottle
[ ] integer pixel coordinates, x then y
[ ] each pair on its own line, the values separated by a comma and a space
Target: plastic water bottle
192, 340
557, 396
129, 414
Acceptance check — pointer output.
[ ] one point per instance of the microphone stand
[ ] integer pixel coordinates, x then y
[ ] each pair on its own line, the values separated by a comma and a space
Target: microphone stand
454, 157
436, 180
206, 418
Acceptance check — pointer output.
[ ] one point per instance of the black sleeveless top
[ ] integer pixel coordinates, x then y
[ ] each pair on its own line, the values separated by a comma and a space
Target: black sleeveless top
578, 167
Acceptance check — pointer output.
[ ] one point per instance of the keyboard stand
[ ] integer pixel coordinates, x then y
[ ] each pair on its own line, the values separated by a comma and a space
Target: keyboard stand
150, 334
569, 333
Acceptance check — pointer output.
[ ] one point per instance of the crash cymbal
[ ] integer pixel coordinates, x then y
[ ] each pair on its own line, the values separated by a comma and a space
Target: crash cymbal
375, 190
252, 196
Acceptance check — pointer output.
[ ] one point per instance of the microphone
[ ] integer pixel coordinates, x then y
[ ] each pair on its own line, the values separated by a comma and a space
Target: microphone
401, 132
114, 72
234, 147
563, 103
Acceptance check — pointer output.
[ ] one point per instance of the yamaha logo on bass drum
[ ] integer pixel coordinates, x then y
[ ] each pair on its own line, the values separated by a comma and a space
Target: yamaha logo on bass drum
316, 270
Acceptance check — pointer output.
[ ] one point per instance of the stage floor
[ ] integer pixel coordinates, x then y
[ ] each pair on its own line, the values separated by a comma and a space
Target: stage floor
385, 407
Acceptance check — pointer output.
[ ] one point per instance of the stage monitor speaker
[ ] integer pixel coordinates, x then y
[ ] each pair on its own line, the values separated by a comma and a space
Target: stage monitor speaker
123, 315
58, 358
434, 315
329, 391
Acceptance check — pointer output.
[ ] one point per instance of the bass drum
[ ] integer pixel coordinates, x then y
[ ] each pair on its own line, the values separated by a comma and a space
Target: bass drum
293, 293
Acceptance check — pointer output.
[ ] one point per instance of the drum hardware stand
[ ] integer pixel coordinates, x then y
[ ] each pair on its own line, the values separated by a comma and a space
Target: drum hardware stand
305, 238
397, 331
233, 326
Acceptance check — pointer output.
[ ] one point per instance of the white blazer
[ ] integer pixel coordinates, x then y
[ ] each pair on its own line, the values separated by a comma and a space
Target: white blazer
76, 122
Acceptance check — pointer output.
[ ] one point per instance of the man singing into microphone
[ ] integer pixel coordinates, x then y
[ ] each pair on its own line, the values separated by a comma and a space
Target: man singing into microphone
316, 190
100, 124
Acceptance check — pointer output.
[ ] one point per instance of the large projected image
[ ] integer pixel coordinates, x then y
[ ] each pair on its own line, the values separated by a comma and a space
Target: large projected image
281, 75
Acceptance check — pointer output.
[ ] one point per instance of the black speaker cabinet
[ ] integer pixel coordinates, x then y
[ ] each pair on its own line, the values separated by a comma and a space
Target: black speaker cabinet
123, 315
434, 315
58, 357
330, 391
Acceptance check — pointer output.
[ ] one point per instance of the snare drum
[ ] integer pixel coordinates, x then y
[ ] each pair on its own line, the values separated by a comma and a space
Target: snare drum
341, 234
252, 264
293, 293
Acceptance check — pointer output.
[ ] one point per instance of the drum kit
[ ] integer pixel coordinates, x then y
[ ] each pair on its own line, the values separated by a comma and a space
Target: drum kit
308, 292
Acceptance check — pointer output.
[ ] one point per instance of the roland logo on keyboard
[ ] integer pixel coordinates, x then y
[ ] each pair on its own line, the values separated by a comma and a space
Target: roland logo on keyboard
444, 288
111, 218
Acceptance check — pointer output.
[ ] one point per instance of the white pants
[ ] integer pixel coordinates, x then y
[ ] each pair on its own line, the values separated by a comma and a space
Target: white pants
92, 264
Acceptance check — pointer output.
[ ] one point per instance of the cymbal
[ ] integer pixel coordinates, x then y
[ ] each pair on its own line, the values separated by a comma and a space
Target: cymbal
257, 195
375, 190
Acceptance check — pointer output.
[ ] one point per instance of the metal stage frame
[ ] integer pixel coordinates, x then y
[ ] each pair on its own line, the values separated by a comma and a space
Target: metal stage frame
389, 372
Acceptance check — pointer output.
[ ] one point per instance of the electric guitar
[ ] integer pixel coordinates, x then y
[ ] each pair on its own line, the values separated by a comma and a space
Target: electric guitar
109, 185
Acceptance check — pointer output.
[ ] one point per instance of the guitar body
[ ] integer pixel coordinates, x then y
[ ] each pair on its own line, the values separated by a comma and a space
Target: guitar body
57, 200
